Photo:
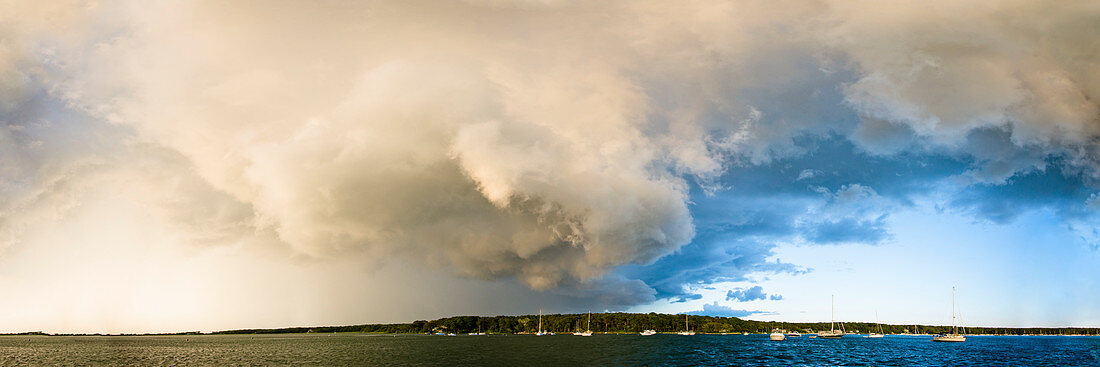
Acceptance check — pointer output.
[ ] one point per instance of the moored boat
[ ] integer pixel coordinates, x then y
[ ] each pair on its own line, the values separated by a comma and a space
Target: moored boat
954, 335
873, 334
687, 331
833, 333
587, 332
541, 332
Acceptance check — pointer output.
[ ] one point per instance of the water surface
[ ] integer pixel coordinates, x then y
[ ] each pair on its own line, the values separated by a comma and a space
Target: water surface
529, 350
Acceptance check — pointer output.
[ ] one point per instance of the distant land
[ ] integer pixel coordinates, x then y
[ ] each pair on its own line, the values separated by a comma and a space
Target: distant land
616, 322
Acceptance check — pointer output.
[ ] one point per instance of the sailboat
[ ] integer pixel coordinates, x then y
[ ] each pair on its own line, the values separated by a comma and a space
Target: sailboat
954, 336
687, 331
478, 333
541, 332
873, 334
833, 333
587, 332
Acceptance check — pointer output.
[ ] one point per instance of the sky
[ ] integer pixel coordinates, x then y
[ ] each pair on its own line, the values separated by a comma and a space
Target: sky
199, 166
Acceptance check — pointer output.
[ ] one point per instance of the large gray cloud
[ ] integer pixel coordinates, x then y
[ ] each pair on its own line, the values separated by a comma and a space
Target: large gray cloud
947, 69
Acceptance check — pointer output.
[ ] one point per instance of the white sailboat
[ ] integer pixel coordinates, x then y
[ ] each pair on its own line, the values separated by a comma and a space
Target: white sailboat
833, 333
879, 334
587, 332
541, 332
687, 330
648, 332
478, 333
954, 336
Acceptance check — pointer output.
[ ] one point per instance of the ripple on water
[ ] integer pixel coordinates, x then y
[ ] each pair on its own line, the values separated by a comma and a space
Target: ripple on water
526, 350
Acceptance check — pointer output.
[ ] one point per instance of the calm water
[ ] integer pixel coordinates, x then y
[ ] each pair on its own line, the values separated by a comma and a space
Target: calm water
526, 350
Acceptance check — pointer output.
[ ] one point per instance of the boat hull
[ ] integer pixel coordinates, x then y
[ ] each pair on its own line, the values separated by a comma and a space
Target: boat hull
778, 337
950, 338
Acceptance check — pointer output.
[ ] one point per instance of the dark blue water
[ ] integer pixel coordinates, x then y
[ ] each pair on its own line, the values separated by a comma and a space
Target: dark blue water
528, 350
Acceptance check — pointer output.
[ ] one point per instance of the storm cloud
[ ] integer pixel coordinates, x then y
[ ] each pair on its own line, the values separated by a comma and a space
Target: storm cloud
614, 153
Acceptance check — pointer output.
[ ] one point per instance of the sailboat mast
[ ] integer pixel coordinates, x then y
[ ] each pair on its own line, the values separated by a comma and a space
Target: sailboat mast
954, 330
832, 313
877, 323
540, 319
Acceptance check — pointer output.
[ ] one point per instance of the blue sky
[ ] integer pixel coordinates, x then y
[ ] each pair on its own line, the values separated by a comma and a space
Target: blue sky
1014, 249
1012, 274
171, 166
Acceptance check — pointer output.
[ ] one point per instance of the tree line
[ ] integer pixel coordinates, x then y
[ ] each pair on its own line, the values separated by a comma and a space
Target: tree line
618, 322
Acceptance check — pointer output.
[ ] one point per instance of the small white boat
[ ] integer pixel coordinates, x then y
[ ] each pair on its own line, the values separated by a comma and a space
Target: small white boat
648, 332
949, 338
452, 334
687, 331
794, 334
586, 332
745, 333
954, 335
777, 335
879, 334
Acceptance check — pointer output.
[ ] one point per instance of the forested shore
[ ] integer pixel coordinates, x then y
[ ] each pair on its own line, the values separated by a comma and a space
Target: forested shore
616, 322
619, 322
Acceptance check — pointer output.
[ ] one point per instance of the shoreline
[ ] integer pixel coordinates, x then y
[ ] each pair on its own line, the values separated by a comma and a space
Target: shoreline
604, 323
